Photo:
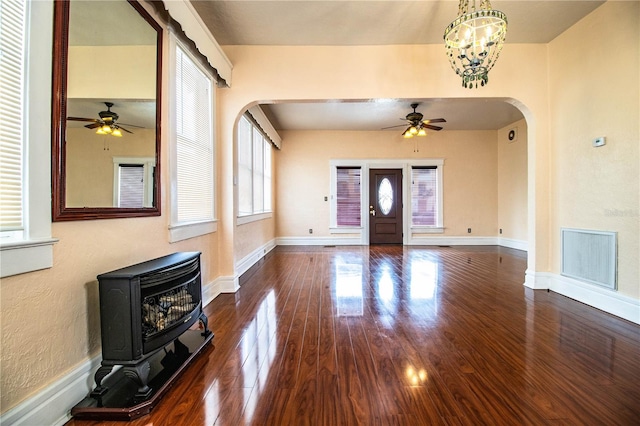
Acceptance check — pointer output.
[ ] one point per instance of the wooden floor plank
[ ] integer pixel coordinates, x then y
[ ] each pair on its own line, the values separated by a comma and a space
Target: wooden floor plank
392, 335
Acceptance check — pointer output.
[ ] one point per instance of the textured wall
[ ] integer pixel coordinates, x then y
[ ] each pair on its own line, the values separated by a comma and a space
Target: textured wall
512, 182
592, 95
470, 175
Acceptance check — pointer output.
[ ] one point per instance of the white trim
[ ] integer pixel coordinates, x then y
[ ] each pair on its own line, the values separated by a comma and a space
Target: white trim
514, 244
346, 230
179, 231
319, 241
185, 231
258, 115
453, 241
252, 258
241, 220
52, 405
417, 230
26, 256
148, 164
193, 26
604, 299
36, 250
216, 287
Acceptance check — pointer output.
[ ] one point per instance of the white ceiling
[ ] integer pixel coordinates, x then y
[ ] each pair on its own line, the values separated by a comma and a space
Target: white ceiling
379, 22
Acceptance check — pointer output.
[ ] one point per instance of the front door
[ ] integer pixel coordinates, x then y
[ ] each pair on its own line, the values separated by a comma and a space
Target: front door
385, 206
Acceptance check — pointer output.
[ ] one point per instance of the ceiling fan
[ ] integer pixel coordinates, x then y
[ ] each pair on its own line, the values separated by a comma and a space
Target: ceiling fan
416, 125
107, 123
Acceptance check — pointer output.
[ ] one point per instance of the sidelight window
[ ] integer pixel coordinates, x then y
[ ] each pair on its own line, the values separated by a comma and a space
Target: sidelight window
425, 196
348, 196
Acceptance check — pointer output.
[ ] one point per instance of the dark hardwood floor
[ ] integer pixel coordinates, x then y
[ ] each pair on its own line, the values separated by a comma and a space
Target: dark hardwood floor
404, 336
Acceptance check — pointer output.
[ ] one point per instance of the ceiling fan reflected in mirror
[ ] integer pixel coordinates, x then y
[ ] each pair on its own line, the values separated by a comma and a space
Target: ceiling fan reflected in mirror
417, 125
107, 123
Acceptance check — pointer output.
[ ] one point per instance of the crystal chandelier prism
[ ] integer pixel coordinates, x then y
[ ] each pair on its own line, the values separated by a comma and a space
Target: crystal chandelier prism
474, 40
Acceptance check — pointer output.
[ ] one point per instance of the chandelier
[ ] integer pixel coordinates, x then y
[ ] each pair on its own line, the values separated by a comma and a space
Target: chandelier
474, 40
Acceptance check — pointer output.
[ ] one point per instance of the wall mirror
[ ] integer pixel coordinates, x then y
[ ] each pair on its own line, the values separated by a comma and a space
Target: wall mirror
106, 110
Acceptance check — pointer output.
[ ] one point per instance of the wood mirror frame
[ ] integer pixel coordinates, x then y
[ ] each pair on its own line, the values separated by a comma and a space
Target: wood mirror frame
60, 210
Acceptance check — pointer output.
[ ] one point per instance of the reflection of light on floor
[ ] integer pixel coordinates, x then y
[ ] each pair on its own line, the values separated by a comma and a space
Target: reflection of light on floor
258, 352
349, 283
424, 279
385, 284
212, 403
415, 376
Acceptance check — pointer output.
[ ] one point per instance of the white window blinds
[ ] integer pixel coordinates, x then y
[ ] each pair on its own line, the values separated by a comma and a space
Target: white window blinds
348, 196
194, 142
12, 53
254, 169
131, 182
424, 196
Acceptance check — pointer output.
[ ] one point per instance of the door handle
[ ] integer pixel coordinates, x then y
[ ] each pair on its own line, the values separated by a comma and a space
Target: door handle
372, 212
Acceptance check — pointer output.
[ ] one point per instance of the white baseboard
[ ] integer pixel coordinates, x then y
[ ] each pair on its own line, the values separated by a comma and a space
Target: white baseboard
424, 240
52, 406
514, 244
319, 241
600, 298
219, 285
252, 258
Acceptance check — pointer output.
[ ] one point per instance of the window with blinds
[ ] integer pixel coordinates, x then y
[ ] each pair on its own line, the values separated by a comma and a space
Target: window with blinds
424, 196
348, 196
254, 169
131, 185
12, 48
194, 141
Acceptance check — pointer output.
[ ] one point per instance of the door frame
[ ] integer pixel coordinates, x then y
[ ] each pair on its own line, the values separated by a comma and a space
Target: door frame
365, 165
398, 203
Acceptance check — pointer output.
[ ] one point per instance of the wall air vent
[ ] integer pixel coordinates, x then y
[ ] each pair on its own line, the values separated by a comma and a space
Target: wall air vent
590, 256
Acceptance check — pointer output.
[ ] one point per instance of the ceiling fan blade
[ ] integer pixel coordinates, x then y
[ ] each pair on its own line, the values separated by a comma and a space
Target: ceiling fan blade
93, 125
391, 127
429, 126
434, 120
130, 125
122, 128
82, 119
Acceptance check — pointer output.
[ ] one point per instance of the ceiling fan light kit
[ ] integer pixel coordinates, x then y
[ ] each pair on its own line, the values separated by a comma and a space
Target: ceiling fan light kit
418, 126
474, 40
106, 124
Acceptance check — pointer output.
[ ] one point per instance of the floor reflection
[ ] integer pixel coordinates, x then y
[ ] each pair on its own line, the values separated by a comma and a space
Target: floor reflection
349, 285
258, 353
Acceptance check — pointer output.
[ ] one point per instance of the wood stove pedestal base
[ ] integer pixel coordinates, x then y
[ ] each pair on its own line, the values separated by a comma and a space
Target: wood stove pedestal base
120, 397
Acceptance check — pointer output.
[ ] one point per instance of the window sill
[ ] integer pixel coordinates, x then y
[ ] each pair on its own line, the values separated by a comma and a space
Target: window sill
241, 220
427, 229
191, 230
346, 230
20, 257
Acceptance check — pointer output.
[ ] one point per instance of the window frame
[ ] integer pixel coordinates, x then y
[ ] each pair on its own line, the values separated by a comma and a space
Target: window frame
34, 251
439, 226
265, 176
148, 164
179, 231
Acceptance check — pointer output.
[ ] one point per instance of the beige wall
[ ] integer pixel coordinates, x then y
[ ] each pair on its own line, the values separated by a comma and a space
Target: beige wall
112, 72
90, 163
470, 175
512, 182
594, 91
276, 73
